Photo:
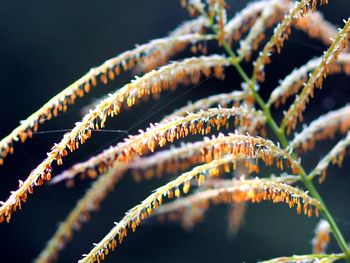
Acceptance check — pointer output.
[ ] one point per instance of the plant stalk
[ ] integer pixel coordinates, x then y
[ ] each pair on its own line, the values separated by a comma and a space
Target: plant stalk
276, 129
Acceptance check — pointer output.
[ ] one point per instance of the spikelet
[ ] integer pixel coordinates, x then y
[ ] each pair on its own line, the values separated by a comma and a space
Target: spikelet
159, 51
163, 162
216, 12
316, 79
322, 128
182, 158
255, 190
189, 154
295, 80
196, 25
270, 13
225, 99
81, 213
281, 33
256, 32
334, 156
173, 160
167, 131
148, 167
244, 20
312, 258
313, 24
241, 190
184, 72
161, 54
317, 27
234, 98
103, 73
193, 6
321, 238
221, 18
169, 161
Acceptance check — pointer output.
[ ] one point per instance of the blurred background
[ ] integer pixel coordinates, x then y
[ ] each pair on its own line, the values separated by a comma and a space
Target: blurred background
46, 45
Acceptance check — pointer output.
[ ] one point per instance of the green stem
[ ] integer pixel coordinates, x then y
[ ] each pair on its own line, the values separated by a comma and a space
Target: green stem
279, 132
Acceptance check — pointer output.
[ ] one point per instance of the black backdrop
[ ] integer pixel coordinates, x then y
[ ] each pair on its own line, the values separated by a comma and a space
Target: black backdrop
45, 45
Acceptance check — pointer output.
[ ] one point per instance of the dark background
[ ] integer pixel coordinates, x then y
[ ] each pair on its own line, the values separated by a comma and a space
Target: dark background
45, 45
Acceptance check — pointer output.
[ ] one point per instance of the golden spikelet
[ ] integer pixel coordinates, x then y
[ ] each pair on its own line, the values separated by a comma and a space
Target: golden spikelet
256, 33
168, 131
246, 146
243, 190
244, 20
280, 35
101, 74
316, 79
196, 167
255, 190
216, 11
221, 18
172, 160
81, 212
167, 77
196, 25
317, 27
322, 128
224, 100
295, 80
312, 24
335, 156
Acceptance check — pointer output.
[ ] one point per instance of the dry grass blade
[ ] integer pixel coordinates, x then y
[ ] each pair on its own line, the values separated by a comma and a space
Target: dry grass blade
322, 128
167, 77
316, 79
255, 190
168, 131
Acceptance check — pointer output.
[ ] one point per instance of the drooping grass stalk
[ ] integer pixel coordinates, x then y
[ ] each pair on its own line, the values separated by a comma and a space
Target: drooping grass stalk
279, 132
